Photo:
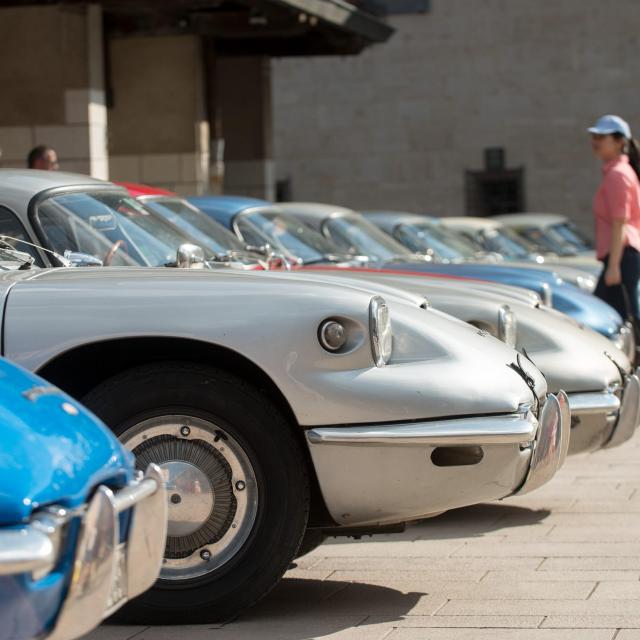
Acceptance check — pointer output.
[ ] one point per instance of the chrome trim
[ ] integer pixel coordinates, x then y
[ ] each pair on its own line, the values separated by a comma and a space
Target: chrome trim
507, 325
565, 414
93, 569
551, 444
507, 429
147, 532
99, 561
377, 330
595, 402
25, 550
629, 415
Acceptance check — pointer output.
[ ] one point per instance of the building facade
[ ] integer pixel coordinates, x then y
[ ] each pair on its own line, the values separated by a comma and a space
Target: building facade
474, 106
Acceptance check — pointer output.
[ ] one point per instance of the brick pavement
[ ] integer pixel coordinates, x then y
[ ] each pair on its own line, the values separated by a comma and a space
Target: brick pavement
561, 563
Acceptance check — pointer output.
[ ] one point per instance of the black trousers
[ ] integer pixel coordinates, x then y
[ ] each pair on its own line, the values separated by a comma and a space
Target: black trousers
623, 297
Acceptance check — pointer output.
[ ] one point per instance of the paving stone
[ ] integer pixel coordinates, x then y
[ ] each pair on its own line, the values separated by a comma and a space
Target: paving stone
617, 590
590, 564
532, 607
628, 634
439, 564
560, 576
592, 622
501, 634
462, 622
483, 548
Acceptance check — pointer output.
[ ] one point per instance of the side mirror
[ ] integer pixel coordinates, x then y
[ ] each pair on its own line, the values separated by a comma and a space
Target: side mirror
78, 259
190, 256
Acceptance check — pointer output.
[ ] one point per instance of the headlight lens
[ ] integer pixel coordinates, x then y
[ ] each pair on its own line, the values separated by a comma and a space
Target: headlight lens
380, 331
507, 326
332, 335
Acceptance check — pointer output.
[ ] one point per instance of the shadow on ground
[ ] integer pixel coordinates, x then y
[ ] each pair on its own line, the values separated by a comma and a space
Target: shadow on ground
467, 522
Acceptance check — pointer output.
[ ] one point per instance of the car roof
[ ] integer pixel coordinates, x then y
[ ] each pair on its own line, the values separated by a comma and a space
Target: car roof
19, 186
314, 214
389, 220
227, 207
470, 222
532, 219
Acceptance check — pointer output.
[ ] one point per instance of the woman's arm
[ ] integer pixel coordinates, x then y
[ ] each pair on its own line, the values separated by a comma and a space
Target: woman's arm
613, 275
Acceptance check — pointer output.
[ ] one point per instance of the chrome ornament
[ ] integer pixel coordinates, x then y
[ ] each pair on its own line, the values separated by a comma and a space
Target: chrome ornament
380, 331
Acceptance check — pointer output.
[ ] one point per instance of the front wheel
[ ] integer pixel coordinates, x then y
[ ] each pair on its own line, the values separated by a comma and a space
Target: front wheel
237, 486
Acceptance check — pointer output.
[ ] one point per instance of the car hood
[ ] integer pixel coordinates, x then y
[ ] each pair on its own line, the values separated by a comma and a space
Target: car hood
572, 357
582, 306
51, 449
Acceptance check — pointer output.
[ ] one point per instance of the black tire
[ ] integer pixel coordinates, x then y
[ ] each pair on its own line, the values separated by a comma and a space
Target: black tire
313, 538
265, 436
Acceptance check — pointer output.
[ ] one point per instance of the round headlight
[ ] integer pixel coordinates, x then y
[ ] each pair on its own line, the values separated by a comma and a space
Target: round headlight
332, 335
507, 326
380, 330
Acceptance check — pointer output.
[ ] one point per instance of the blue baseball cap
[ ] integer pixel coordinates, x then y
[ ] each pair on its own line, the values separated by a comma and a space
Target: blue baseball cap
611, 124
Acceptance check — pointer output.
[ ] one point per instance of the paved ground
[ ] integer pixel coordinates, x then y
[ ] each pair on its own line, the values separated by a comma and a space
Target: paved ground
563, 562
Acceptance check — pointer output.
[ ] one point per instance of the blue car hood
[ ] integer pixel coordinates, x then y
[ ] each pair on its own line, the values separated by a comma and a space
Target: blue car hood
580, 305
51, 449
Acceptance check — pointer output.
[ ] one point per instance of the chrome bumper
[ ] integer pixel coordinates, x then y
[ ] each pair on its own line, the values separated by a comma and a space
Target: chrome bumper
629, 415
381, 474
552, 442
105, 572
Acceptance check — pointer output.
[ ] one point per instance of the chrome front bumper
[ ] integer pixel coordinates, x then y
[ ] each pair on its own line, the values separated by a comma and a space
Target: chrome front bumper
382, 474
105, 572
629, 415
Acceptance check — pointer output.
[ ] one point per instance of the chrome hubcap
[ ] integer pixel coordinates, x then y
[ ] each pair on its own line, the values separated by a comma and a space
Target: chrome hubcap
211, 490
191, 497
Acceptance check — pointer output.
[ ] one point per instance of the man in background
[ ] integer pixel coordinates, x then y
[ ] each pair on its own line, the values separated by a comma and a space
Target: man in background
43, 157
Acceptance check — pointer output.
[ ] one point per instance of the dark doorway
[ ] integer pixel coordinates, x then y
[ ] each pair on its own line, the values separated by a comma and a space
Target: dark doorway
493, 192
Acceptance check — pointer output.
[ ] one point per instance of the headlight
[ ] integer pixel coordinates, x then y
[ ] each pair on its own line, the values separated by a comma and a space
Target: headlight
507, 326
380, 331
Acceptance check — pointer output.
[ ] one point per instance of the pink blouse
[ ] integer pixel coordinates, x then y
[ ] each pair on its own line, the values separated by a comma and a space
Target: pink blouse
617, 198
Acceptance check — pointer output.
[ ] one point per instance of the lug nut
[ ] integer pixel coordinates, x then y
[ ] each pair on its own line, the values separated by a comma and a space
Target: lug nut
205, 554
185, 431
176, 499
240, 485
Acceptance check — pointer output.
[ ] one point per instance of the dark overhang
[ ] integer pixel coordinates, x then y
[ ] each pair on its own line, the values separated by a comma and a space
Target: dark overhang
248, 27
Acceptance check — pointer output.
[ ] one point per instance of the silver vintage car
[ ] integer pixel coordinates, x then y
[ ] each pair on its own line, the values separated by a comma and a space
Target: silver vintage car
275, 407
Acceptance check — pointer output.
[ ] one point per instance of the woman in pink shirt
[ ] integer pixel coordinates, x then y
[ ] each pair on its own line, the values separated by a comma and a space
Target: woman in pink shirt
617, 215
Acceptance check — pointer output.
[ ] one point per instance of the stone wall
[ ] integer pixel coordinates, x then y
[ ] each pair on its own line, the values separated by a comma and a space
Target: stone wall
398, 126
53, 86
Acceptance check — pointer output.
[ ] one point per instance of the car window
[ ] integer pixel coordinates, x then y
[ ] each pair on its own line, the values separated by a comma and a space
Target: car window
211, 235
566, 232
506, 243
358, 236
11, 226
422, 237
284, 233
108, 225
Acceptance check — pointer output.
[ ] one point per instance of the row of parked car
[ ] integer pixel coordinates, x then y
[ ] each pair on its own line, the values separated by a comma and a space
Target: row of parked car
270, 375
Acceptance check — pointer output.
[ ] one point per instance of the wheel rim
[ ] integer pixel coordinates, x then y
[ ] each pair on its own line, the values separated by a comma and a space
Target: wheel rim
211, 490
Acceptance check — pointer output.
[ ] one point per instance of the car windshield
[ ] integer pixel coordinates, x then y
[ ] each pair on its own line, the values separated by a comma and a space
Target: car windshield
109, 225
566, 232
422, 237
209, 234
546, 242
284, 234
357, 236
506, 243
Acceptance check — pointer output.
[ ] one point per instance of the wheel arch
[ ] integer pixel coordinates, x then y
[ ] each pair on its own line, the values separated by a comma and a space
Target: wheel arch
82, 368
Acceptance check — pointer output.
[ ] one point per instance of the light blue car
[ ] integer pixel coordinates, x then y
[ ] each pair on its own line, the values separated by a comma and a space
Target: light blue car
81, 531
